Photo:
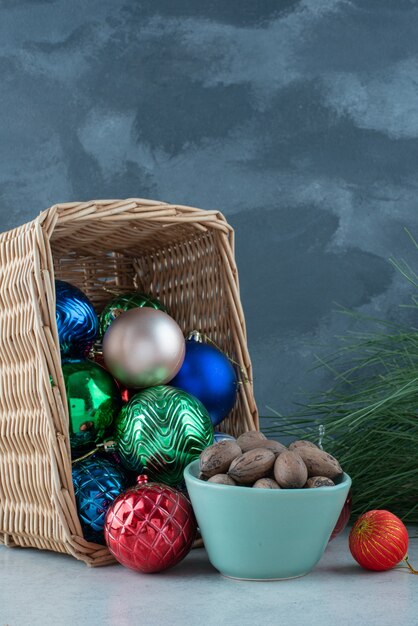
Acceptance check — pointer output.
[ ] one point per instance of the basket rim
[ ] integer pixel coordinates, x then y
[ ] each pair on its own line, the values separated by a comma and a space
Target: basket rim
115, 210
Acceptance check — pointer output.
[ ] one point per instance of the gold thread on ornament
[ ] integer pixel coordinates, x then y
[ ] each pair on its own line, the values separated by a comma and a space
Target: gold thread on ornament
411, 569
200, 337
115, 291
107, 445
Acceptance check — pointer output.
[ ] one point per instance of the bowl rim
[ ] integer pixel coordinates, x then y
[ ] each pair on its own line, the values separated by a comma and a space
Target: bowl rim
193, 465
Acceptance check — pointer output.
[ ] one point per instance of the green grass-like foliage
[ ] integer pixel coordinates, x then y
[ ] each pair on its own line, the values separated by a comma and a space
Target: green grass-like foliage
370, 414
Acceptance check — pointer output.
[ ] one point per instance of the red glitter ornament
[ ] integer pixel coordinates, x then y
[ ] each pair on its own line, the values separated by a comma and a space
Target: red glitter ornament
379, 540
150, 527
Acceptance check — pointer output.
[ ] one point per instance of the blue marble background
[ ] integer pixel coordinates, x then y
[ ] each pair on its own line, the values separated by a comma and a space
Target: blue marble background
298, 119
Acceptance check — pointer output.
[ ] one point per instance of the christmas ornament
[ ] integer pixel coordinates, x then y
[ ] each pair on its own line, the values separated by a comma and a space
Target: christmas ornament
378, 540
150, 527
124, 303
160, 431
126, 394
97, 482
208, 375
143, 347
218, 436
77, 321
93, 403
344, 517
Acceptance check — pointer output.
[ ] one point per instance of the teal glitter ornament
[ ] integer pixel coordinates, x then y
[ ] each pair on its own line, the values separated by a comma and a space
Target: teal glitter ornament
93, 403
160, 431
123, 303
97, 482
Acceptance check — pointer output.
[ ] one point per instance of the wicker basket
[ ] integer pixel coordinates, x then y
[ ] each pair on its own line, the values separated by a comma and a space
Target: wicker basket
182, 255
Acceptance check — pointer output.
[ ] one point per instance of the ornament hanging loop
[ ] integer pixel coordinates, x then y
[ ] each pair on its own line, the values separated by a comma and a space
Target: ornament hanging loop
196, 335
114, 290
321, 434
409, 566
107, 446
95, 351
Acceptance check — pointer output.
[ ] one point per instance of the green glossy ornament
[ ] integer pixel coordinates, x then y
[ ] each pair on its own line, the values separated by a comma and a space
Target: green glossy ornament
123, 303
160, 431
94, 402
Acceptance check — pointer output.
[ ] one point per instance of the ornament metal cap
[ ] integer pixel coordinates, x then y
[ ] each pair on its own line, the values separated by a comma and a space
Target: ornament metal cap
110, 445
142, 479
195, 335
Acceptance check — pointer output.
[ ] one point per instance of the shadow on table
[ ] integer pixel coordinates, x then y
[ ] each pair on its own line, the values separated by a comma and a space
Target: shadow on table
195, 565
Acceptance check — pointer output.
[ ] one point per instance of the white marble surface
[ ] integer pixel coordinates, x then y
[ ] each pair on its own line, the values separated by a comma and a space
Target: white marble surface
40, 588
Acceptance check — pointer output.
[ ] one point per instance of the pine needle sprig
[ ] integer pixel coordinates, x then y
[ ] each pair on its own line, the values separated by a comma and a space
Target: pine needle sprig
370, 413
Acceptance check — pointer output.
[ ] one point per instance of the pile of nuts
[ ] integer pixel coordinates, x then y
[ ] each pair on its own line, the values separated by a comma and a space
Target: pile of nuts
255, 461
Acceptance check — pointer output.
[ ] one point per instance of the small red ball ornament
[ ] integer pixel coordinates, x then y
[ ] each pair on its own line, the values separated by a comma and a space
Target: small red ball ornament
150, 527
379, 540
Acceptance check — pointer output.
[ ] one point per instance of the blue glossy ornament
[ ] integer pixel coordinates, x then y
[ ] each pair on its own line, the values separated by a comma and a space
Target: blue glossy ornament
97, 482
218, 436
77, 321
208, 374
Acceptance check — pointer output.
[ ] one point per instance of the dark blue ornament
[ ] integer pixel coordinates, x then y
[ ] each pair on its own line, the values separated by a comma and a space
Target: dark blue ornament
208, 374
97, 482
77, 321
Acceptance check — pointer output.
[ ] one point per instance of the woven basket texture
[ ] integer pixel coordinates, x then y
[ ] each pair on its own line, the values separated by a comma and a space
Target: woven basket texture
183, 256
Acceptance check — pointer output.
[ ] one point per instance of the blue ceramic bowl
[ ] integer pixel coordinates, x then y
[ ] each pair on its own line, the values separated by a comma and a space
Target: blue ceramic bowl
264, 534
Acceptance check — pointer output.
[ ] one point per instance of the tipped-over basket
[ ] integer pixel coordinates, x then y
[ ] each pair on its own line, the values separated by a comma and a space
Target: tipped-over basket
182, 255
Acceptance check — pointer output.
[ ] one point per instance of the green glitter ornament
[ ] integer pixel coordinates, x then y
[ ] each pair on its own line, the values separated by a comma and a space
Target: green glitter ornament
123, 303
94, 402
160, 431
